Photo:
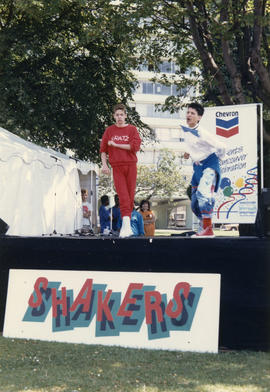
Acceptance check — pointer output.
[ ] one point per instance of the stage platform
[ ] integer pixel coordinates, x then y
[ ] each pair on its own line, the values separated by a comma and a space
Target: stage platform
243, 262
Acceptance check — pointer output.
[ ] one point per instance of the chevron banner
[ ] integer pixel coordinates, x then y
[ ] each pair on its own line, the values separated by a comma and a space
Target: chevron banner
237, 127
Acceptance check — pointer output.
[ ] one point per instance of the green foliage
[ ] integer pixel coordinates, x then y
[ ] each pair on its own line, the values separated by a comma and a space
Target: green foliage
163, 181
63, 65
222, 48
105, 185
225, 44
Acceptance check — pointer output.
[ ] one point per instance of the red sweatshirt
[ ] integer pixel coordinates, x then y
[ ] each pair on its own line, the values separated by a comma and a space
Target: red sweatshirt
121, 135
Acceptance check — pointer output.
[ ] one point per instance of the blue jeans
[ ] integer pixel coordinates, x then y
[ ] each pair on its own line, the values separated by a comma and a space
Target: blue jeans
202, 197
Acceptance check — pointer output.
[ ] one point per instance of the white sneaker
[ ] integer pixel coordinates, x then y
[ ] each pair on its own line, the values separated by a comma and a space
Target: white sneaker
126, 228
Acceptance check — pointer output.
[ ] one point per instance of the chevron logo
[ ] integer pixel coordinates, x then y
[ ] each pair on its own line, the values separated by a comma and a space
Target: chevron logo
227, 128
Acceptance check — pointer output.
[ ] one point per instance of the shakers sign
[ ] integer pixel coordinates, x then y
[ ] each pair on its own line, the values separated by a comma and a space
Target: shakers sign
113, 316
103, 308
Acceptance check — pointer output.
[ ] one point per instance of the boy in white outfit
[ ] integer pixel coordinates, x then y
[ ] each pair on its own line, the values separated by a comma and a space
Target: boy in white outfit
205, 151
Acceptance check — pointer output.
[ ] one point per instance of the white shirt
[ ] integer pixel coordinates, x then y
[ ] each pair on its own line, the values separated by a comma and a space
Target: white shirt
200, 143
86, 207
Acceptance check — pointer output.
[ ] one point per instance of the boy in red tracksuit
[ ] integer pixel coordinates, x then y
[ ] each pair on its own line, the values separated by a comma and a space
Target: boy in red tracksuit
121, 142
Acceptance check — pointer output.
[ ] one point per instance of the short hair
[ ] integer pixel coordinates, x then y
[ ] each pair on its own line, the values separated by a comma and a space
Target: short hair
119, 106
145, 201
198, 107
104, 199
84, 192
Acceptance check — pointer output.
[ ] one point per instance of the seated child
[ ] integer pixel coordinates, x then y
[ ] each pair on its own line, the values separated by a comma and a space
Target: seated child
86, 207
105, 215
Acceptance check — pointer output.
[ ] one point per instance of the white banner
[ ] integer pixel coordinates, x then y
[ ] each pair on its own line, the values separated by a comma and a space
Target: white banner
236, 126
144, 310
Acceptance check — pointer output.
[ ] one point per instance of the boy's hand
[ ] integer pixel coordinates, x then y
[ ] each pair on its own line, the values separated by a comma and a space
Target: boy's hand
105, 169
111, 143
220, 152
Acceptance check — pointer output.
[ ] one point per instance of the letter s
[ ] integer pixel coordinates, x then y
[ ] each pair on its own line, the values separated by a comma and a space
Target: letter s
177, 297
31, 302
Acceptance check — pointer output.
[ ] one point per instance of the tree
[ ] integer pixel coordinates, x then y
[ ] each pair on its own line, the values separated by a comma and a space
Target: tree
231, 40
63, 65
162, 181
222, 45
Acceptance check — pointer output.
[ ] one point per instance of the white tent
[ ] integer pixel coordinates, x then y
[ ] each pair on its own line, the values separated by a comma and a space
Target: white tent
41, 188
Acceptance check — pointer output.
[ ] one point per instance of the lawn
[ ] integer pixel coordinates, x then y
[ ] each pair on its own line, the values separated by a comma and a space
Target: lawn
35, 366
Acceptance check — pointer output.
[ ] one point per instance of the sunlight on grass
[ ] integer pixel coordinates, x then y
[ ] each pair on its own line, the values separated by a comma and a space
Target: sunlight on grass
229, 388
147, 389
36, 366
55, 389
117, 365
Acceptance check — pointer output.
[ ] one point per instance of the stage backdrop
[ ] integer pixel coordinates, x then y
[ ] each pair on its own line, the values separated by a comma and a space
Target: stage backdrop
150, 310
237, 127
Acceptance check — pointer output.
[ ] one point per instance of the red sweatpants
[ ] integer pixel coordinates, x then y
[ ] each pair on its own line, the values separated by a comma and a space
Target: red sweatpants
124, 178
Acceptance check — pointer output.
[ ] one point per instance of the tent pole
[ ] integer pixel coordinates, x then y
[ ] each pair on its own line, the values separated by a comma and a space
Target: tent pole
261, 146
91, 198
112, 195
54, 229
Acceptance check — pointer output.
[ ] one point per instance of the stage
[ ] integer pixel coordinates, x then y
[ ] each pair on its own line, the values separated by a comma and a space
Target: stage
243, 262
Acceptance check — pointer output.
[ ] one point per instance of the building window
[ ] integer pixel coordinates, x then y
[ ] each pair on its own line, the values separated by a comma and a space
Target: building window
148, 88
149, 110
165, 67
160, 89
143, 67
179, 91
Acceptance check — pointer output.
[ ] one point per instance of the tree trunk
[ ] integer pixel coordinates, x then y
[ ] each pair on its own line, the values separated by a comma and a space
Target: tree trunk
207, 57
228, 59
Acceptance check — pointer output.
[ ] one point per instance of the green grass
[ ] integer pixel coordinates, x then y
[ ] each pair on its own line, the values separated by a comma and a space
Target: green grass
36, 366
